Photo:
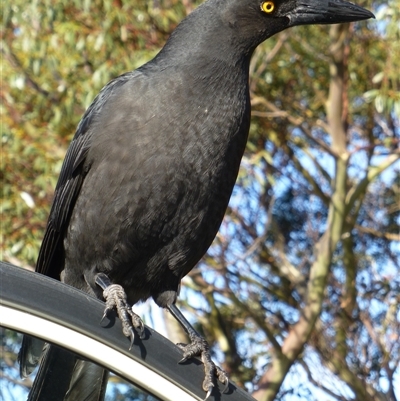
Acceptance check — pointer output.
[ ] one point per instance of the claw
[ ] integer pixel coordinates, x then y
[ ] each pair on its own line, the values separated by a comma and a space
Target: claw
222, 377
141, 331
137, 323
115, 298
132, 337
208, 394
198, 346
224, 391
102, 318
104, 315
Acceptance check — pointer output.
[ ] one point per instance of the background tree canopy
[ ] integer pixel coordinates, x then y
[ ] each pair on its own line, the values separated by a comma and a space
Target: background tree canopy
299, 294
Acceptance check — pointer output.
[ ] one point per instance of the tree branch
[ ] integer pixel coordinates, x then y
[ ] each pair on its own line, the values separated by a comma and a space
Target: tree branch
319, 384
14, 61
359, 189
379, 234
296, 121
310, 179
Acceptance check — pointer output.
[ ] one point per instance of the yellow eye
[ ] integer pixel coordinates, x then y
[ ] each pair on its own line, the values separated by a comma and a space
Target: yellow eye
267, 6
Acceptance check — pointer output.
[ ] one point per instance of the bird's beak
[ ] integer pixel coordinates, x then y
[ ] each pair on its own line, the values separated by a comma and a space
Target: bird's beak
327, 12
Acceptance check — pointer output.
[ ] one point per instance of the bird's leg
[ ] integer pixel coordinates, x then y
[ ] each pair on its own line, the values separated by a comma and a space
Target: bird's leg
115, 297
199, 347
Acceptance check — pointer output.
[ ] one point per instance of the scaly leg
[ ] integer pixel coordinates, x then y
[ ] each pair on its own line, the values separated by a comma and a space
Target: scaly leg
199, 346
115, 297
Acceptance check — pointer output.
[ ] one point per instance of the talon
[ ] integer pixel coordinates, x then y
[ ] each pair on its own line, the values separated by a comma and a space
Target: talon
132, 337
116, 298
141, 331
208, 394
199, 347
223, 378
103, 317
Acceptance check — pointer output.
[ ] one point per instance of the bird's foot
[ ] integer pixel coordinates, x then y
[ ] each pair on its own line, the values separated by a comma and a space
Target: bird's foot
115, 298
200, 347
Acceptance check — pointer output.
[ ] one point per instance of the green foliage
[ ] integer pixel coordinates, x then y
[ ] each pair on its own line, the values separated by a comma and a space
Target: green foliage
386, 91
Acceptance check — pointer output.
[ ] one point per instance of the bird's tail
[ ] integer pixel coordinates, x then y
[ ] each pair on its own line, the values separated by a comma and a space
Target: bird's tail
88, 382
62, 376
29, 355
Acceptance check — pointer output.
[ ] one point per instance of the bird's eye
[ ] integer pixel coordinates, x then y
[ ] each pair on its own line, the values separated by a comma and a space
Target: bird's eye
268, 6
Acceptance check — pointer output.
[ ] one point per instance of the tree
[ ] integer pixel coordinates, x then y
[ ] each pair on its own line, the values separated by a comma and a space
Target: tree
307, 256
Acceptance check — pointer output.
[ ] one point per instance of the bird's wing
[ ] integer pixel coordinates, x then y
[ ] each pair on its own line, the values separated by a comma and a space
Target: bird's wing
69, 183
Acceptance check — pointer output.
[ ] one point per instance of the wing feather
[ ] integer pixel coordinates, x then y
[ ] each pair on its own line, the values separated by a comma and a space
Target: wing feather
70, 182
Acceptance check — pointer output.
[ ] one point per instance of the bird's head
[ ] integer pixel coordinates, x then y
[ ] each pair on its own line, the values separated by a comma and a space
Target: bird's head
304, 12
232, 29
261, 19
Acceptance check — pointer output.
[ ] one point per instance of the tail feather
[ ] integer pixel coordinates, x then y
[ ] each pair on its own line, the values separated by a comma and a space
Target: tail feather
62, 376
88, 382
54, 374
29, 355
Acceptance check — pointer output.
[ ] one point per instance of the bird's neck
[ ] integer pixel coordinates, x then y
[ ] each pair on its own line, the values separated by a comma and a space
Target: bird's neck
204, 37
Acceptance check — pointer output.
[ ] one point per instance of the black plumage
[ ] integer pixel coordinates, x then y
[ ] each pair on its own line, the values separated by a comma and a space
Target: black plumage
148, 176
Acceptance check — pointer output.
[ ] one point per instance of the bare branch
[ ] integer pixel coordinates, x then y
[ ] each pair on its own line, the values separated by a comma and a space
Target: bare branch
357, 191
296, 121
379, 234
318, 384
14, 61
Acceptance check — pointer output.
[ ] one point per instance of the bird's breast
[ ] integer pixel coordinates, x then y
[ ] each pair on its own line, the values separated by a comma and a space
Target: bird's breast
168, 172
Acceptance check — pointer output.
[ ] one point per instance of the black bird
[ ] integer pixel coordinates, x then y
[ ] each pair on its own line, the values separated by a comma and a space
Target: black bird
148, 176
